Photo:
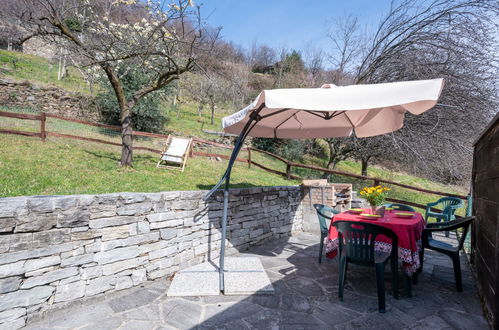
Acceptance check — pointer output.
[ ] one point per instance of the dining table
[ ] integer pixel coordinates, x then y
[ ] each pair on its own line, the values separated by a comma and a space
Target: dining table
409, 232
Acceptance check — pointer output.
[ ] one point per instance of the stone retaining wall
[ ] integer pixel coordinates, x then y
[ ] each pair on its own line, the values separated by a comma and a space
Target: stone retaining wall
58, 249
49, 99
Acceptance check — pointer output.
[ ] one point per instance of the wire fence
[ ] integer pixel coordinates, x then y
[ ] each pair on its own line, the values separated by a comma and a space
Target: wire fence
51, 127
20, 125
55, 127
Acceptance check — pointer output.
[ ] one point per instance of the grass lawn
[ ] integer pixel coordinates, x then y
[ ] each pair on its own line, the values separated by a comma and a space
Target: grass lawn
39, 70
185, 120
62, 166
29, 167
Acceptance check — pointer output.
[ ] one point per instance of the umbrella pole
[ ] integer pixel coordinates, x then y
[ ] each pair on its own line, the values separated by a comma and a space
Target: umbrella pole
235, 152
237, 147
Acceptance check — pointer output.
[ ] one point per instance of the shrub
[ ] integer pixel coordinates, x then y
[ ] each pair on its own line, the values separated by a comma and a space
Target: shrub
147, 115
73, 24
288, 148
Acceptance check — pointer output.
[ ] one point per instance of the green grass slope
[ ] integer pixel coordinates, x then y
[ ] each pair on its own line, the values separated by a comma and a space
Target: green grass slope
61, 166
39, 70
29, 167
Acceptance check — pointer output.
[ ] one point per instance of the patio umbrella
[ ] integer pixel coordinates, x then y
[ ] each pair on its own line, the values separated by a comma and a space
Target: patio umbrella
329, 111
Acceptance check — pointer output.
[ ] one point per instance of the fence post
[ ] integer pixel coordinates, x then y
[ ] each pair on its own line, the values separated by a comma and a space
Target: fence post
191, 149
43, 133
288, 171
249, 157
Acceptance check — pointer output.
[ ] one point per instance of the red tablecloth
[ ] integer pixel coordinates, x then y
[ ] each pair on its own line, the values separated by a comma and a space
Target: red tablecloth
408, 231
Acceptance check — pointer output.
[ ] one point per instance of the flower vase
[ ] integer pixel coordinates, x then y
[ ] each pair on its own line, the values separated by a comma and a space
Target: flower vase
379, 210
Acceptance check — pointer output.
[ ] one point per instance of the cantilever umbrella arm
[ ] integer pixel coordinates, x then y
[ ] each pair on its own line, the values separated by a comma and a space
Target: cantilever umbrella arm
380, 110
254, 119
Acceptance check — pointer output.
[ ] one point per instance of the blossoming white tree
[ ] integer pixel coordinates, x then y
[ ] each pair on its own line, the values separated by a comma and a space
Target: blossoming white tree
163, 39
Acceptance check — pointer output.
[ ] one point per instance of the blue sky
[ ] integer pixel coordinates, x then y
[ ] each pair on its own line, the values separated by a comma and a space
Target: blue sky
290, 23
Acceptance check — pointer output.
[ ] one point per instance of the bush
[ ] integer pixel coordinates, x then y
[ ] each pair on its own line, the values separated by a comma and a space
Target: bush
270, 145
290, 149
147, 115
73, 24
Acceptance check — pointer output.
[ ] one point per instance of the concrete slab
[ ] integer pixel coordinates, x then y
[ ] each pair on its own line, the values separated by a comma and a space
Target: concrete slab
186, 284
246, 276
243, 276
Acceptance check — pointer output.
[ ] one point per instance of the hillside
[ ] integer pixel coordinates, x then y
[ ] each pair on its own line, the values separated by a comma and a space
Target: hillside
62, 166
37, 69
30, 167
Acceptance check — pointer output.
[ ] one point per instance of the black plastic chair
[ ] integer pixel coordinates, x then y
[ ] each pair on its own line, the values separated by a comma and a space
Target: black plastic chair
451, 250
400, 207
321, 214
356, 245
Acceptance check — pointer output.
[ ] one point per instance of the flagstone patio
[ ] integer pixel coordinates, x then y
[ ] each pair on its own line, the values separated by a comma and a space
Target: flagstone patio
306, 297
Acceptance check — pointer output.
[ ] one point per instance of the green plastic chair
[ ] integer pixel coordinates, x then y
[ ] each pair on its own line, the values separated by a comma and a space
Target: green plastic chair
321, 214
356, 245
449, 205
443, 247
399, 207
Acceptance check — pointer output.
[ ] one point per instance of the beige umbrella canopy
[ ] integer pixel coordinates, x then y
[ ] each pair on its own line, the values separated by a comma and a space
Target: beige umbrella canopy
333, 111
330, 111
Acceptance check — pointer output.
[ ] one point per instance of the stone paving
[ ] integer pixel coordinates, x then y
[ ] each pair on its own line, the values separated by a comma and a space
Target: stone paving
306, 297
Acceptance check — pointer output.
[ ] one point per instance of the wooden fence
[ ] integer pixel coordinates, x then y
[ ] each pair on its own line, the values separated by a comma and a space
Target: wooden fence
42, 117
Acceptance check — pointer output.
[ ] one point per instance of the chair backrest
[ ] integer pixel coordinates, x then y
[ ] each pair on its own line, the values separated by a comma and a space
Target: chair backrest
400, 207
450, 204
176, 150
324, 212
356, 240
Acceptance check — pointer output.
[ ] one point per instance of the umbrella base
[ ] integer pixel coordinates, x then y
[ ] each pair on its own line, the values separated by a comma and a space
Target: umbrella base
243, 276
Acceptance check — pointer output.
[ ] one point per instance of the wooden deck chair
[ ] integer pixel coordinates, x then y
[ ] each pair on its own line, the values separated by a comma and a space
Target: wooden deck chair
175, 153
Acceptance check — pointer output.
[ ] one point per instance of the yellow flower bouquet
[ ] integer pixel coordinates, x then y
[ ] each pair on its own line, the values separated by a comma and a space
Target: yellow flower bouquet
374, 195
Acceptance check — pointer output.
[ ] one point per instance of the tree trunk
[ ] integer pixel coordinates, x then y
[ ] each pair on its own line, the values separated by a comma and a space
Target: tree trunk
126, 137
200, 109
125, 115
213, 113
365, 164
59, 69
331, 164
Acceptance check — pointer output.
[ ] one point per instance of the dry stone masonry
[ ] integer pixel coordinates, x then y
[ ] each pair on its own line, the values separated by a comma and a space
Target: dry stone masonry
49, 99
55, 250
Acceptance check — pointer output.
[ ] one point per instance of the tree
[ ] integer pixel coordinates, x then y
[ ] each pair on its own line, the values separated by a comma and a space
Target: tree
219, 80
289, 71
346, 45
163, 39
314, 64
207, 88
429, 39
339, 149
262, 58
148, 114
368, 150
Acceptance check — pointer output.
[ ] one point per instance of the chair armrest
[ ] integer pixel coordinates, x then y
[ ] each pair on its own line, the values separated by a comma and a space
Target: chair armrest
429, 206
436, 224
447, 226
433, 204
333, 212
